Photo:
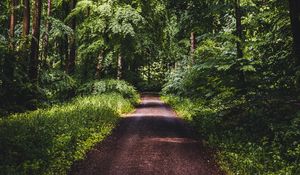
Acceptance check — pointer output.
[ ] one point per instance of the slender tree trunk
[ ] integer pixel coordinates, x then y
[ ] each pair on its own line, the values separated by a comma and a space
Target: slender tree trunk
47, 31
72, 54
119, 66
26, 18
193, 43
12, 23
65, 52
193, 46
34, 54
239, 34
295, 24
99, 64
64, 43
10, 59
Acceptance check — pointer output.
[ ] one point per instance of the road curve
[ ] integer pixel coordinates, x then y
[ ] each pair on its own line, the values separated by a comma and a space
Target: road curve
151, 141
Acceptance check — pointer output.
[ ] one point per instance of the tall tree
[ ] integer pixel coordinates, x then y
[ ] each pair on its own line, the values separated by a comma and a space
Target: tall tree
72, 51
239, 34
119, 66
193, 46
46, 39
34, 54
295, 22
12, 23
26, 18
99, 64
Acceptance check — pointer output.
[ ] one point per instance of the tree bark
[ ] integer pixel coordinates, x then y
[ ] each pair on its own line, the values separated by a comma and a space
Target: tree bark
239, 29
193, 45
26, 18
72, 54
295, 25
239, 34
34, 54
47, 31
99, 64
12, 23
119, 67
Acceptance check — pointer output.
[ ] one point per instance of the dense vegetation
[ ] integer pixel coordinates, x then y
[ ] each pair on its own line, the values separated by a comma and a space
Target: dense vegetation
240, 88
48, 141
249, 142
231, 67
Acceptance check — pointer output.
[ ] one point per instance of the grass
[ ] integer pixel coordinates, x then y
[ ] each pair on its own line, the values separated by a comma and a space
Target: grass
256, 141
48, 141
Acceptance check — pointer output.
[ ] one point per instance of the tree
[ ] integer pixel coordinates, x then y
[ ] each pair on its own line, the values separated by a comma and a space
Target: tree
46, 40
72, 52
26, 18
295, 24
119, 65
239, 34
12, 23
193, 44
34, 54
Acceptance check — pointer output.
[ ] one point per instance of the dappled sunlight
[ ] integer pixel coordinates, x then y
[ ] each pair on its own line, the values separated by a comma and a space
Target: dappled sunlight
172, 140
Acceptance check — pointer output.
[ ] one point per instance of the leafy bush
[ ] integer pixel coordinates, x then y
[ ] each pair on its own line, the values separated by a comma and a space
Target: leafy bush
108, 86
48, 141
57, 85
254, 141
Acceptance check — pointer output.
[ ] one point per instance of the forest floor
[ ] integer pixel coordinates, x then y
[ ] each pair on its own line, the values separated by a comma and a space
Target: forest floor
152, 140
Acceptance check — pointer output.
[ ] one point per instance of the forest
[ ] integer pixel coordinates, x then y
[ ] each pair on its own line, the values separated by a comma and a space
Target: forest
229, 68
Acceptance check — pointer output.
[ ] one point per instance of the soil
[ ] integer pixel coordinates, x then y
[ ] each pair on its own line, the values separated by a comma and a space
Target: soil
152, 140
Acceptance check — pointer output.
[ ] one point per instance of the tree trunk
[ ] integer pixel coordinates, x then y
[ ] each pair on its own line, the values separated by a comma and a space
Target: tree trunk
193, 43
295, 24
65, 52
72, 54
34, 54
99, 64
12, 23
26, 18
119, 67
239, 34
193, 46
47, 31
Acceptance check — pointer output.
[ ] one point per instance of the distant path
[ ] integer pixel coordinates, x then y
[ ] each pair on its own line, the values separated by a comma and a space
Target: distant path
151, 141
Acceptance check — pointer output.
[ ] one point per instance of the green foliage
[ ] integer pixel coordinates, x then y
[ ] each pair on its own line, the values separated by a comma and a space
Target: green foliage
254, 141
109, 86
57, 85
48, 141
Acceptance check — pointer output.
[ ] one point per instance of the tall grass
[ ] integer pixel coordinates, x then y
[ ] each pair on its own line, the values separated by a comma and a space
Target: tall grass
48, 141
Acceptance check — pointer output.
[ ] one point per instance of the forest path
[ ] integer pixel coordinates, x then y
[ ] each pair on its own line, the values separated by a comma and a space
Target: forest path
152, 140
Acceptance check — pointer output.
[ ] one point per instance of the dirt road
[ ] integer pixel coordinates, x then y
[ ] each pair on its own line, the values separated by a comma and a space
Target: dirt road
150, 141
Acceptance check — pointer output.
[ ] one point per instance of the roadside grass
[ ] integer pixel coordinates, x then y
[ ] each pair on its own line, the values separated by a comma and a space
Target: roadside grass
252, 142
48, 141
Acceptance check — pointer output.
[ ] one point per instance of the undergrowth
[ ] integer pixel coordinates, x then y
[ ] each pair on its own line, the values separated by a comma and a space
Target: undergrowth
255, 140
110, 85
48, 141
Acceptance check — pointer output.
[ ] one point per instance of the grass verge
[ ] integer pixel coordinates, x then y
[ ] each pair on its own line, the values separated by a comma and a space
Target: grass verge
48, 141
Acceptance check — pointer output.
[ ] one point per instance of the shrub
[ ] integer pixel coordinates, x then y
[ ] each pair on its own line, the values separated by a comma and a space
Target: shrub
108, 86
57, 85
48, 141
